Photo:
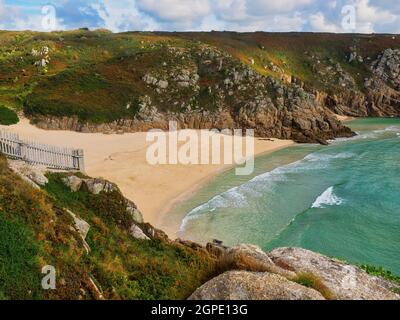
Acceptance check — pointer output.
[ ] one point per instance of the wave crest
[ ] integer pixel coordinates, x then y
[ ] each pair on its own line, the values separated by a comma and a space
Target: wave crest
241, 196
327, 198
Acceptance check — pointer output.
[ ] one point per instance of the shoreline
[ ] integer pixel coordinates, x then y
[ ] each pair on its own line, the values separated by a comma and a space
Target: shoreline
185, 196
121, 159
344, 119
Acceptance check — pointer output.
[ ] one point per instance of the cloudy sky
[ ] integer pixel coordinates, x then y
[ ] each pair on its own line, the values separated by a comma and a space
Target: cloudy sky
365, 16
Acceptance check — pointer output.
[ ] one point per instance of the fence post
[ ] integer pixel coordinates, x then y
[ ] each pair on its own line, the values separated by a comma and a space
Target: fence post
22, 150
81, 160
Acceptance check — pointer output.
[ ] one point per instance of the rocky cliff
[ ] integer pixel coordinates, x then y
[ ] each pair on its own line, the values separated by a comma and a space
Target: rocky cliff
208, 88
379, 95
282, 85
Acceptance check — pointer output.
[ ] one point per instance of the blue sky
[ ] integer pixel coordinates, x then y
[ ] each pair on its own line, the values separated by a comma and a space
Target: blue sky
365, 16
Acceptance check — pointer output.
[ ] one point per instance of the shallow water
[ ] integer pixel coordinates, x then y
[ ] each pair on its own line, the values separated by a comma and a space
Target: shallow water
342, 200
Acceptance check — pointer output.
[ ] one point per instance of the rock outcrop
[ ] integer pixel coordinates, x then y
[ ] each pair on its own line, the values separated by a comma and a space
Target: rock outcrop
236, 96
82, 227
137, 233
73, 182
134, 211
98, 185
243, 285
246, 255
290, 273
95, 186
32, 174
380, 94
344, 281
387, 67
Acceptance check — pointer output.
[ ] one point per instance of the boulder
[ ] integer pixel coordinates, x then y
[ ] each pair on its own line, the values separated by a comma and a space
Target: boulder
253, 257
155, 233
137, 233
82, 227
73, 182
134, 211
163, 84
33, 174
96, 186
244, 285
344, 281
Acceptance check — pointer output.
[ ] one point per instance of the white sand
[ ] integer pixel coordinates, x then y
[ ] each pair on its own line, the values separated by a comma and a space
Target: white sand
122, 160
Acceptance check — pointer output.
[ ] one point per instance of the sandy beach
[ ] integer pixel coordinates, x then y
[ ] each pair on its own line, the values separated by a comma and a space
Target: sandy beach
344, 118
122, 160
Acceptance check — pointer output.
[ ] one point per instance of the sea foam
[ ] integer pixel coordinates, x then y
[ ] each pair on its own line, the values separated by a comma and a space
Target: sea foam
240, 196
327, 198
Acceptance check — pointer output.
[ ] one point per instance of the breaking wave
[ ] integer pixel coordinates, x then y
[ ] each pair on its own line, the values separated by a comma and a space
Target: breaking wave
327, 198
241, 196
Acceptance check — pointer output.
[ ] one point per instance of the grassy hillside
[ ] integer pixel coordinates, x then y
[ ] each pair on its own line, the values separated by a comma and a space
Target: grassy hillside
7, 116
36, 230
98, 76
297, 53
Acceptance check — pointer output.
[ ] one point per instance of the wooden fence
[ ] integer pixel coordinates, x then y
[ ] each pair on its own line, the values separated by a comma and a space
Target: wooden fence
32, 152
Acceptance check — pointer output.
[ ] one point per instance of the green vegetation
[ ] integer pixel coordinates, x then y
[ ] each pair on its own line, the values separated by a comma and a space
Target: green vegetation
97, 76
310, 280
19, 271
380, 272
7, 116
36, 230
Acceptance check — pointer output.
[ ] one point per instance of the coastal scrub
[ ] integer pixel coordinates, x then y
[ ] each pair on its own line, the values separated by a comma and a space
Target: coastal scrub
7, 116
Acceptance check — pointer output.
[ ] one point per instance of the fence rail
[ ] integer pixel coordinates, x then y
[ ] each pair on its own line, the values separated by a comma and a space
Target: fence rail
50, 156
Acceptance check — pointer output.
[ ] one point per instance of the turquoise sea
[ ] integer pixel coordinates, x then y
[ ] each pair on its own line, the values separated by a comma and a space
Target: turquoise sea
342, 200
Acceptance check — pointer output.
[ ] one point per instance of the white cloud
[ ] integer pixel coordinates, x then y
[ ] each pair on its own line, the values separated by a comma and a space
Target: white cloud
263, 7
367, 18
319, 22
13, 18
231, 10
123, 17
370, 14
176, 10
183, 15
332, 4
210, 23
2, 8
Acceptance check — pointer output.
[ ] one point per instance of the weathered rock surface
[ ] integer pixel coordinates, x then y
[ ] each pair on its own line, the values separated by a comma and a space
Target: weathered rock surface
344, 281
134, 211
98, 185
82, 227
73, 182
155, 233
94, 186
380, 96
276, 275
33, 174
243, 285
253, 255
137, 233
387, 67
